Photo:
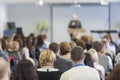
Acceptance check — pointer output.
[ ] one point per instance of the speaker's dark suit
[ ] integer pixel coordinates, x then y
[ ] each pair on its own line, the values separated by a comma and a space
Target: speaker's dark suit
73, 25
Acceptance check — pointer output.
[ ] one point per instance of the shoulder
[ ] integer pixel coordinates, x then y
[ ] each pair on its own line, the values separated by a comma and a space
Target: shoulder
60, 59
65, 75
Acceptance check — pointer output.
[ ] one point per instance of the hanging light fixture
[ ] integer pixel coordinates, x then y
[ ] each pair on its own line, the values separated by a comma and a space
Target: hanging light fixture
40, 2
76, 4
104, 2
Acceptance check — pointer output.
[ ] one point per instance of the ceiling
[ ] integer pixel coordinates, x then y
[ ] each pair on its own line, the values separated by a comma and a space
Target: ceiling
53, 1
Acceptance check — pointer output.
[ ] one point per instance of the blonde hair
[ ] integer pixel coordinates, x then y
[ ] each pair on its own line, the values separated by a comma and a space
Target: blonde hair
88, 38
47, 58
13, 46
72, 44
93, 54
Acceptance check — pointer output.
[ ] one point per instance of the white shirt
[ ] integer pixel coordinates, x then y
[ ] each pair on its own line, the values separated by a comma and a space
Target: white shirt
45, 68
81, 73
111, 47
99, 67
25, 51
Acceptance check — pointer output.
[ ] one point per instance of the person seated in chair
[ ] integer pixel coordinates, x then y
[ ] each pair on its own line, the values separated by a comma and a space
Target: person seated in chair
47, 71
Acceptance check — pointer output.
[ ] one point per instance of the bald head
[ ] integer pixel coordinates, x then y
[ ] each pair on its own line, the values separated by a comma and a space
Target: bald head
4, 69
74, 16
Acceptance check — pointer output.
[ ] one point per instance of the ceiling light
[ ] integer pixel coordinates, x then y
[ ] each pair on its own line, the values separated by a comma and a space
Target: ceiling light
40, 2
76, 5
104, 2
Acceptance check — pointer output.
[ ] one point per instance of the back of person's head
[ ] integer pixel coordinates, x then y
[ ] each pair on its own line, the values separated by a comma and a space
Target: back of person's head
44, 36
13, 46
32, 35
24, 42
85, 38
81, 43
54, 47
40, 40
25, 71
72, 44
88, 60
4, 44
64, 48
115, 73
77, 54
93, 54
17, 37
4, 70
97, 45
47, 58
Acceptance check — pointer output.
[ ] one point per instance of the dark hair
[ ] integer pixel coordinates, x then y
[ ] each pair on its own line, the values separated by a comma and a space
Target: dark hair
4, 44
115, 73
31, 35
119, 35
88, 60
40, 40
54, 47
97, 45
25, 71
77, 53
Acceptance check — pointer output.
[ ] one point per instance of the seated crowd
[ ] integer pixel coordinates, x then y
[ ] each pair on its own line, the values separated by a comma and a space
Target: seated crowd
34, 58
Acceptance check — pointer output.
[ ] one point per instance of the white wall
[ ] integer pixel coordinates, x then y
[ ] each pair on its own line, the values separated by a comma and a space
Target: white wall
115, 15
28, 16
91, 17
3, 18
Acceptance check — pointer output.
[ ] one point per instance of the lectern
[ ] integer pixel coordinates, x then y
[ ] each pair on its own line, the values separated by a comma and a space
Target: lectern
70, 30
73, 32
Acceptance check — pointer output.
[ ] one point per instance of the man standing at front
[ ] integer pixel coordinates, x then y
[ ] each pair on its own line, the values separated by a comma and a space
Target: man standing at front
80, 71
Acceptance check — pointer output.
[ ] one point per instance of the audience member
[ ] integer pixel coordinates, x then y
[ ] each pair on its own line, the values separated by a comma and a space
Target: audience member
47, 70
25, 71
88, 60
3, 53
25, 52
109, 54
72, 44
97, 66
14, 54
103, 60
5, 43
45, 40
5, 72
82, 44
88, 41
60, 63
80, 71
110, 44
41, 44
115, 73
65, 50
